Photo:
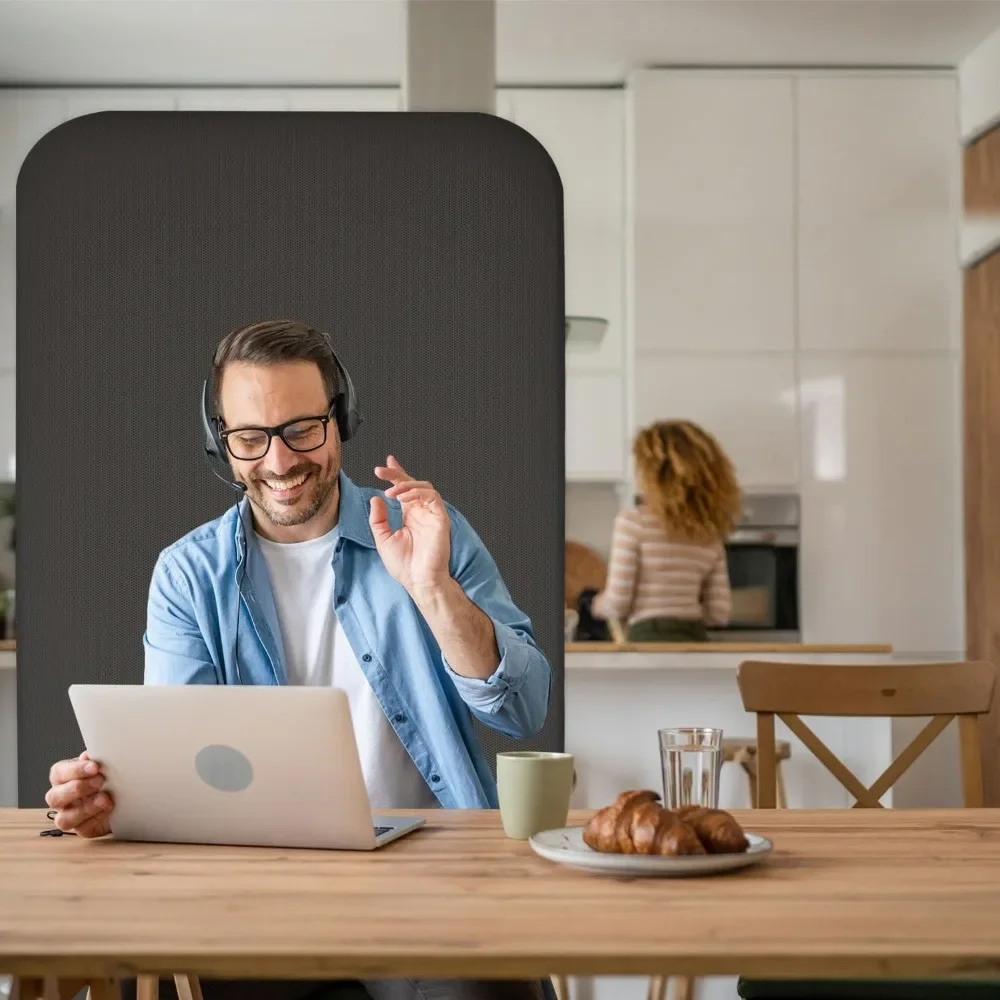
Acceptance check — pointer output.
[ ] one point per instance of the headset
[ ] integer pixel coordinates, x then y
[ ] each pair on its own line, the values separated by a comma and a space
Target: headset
347, 415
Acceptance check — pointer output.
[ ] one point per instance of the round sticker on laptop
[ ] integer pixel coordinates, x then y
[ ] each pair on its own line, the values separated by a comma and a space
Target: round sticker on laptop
223, 768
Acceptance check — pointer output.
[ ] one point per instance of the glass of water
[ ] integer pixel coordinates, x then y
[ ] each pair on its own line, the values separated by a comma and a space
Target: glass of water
691, 762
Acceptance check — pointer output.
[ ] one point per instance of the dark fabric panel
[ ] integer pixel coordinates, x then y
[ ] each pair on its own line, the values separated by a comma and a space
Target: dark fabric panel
430, 248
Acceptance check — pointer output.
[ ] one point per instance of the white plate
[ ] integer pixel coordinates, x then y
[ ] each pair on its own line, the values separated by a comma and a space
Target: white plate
566, 847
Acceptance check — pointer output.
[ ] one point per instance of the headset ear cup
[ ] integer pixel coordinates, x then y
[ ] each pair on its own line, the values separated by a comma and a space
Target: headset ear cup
209, 429
343, 417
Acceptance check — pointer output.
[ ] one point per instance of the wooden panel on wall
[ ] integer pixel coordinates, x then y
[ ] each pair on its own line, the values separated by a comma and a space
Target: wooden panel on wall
982, 174
982, 490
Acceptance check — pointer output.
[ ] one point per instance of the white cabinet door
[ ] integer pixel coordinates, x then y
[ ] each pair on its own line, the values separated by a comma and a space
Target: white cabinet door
711, 207
8, 424
344, 99
232, 99
879, 159
505, 104
87, 102
583, 132
595, 445
25, 117
748, 401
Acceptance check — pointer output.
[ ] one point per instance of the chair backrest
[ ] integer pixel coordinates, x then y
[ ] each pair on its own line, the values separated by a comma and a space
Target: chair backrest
940, 690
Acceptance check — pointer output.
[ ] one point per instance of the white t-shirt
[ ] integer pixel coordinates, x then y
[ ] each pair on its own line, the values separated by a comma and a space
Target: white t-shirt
317, 653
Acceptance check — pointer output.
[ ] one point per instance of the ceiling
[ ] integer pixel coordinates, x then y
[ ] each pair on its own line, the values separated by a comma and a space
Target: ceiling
330, 42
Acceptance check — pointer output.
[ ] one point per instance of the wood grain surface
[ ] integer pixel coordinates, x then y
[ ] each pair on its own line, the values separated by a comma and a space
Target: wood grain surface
981, 462
880, 893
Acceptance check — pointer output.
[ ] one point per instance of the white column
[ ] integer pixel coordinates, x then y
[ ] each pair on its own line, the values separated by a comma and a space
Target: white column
450, 59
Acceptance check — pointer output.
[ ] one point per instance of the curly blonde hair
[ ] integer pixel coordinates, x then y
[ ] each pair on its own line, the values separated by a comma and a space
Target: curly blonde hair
687, 480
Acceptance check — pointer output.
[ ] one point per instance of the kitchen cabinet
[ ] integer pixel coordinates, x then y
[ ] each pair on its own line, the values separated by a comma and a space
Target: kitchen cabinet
583, 133
879, 199
86, 102
8, 425
232, 99
345, 99
748, 401
25, 116
711, 208
595, 430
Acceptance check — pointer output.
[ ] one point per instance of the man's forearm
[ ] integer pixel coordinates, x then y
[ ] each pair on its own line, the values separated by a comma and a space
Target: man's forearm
463, 631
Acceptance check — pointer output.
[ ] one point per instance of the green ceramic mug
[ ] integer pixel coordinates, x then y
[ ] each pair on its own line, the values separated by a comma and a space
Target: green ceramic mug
534, 788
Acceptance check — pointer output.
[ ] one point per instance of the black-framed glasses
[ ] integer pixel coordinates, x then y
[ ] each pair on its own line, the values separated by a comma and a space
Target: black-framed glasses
301, 434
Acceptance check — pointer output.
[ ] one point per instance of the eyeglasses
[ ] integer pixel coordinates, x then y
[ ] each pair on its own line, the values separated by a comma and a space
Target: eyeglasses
301, 434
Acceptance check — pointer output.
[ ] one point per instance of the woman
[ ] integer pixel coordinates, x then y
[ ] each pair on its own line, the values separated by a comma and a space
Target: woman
667, 576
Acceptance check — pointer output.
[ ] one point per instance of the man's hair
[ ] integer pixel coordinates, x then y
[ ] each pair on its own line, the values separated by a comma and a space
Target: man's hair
273, 342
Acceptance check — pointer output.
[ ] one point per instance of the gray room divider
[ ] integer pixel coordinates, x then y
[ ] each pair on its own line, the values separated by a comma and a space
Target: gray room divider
430, 248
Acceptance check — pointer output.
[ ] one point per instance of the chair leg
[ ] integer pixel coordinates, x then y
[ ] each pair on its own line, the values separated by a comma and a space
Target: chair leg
657, 988
27, 988
147, 987
100, 989
47, 988
782, 801
683, 988
188, 987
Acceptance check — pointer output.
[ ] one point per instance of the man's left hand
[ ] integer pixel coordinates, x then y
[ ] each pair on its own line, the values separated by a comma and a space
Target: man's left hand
417, 553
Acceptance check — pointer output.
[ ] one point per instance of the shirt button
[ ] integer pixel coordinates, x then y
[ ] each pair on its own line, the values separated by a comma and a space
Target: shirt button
398, 717
366, 657
435, 778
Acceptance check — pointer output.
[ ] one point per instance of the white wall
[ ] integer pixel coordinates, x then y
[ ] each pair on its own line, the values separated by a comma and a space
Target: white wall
979, 82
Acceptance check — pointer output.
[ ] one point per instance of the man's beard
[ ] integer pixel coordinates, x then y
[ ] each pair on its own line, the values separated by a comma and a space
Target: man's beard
320, 483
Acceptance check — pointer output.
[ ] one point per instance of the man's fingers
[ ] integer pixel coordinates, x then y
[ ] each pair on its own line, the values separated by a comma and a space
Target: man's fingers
83, 810
407, 485
378, 520
392, 470
69, 770
64, 795
96, 826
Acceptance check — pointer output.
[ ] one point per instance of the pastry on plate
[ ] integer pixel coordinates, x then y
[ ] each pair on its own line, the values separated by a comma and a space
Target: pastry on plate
635, 823
717, 830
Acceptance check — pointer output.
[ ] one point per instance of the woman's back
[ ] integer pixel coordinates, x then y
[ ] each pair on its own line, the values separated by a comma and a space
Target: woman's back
651, 575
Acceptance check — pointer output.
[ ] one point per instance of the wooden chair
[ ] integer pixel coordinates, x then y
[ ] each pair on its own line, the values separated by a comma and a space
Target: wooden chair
943, 691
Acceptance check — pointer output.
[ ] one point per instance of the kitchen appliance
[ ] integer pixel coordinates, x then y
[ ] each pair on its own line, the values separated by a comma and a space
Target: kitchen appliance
763, 558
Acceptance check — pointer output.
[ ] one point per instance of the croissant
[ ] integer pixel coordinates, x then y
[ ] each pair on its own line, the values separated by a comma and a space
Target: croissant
717, 830
635, 823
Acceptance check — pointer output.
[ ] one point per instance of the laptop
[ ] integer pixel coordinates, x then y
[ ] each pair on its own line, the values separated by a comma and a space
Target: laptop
255, 766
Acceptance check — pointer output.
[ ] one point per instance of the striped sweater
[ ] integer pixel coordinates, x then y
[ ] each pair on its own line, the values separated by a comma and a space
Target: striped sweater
650, 576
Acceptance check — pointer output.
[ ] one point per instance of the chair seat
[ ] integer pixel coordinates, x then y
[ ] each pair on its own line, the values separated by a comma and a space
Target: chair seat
733, 745
867, 989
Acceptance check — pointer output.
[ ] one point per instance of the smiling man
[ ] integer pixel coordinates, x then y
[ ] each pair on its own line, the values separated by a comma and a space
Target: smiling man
310, 579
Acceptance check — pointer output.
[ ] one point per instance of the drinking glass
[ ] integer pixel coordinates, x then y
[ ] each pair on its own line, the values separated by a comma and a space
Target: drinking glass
691, 763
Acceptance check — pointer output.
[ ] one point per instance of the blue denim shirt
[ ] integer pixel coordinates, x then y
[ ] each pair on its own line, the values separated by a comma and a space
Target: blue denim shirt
191, 627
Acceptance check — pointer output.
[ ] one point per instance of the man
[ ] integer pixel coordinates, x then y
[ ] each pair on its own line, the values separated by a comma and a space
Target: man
311, 579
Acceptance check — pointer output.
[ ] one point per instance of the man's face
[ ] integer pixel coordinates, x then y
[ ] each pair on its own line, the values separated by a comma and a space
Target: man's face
288, 487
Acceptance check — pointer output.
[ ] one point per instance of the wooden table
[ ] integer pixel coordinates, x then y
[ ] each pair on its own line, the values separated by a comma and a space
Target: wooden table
848, 893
